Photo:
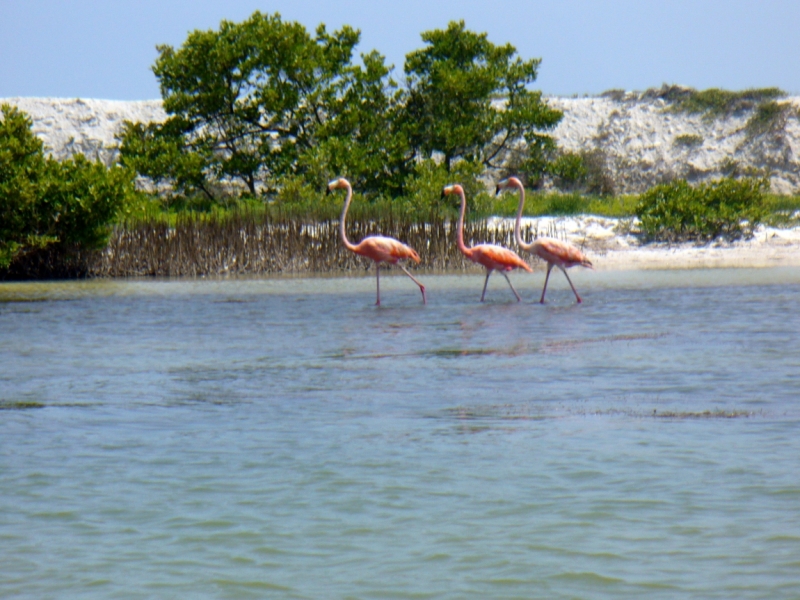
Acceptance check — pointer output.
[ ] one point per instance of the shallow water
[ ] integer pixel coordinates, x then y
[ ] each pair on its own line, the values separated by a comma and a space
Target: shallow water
284, 438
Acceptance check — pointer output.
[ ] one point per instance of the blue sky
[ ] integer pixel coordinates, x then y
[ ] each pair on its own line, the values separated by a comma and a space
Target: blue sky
104, 49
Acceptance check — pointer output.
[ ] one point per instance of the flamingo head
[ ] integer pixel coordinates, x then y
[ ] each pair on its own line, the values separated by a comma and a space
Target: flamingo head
337, 184
452, 189
508, 183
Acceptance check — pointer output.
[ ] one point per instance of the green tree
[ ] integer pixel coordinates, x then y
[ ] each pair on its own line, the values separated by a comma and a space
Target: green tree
260, 100
49, 204
469, 99
22, 169
159, 152
78, 201
360, 138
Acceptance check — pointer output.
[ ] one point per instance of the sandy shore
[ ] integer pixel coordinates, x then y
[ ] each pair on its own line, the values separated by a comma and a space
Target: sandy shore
611, 246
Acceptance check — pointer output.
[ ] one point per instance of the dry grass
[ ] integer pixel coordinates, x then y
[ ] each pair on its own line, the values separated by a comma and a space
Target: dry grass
259, 244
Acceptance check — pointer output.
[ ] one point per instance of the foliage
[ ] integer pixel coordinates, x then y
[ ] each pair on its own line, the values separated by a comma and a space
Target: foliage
712, 103
583, 171
424, 189
46, 204
569, 170
617, 95
729, 167
22, 168
688, 140
158, 152
783, 211
255, 105
727, 208
768, 117
550, 203
256, 101
452, 106
360, 138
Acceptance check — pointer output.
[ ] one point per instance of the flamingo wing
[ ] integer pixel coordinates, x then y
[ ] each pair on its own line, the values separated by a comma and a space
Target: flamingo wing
385, 249
561, 253
498, 258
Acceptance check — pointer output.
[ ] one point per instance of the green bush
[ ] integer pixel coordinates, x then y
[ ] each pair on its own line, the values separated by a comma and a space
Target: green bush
51, 205
584, 171
728, 208
768, 117
569, 170
688, 140
714, 102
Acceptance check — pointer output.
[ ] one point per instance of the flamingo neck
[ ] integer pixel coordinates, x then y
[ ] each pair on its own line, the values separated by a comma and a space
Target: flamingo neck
460, 230
342, 219
517, 225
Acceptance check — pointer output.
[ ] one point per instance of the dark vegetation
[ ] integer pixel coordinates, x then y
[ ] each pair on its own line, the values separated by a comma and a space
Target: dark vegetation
726, 209
713, 103
51, 211
261, 114
689, 140
259, 106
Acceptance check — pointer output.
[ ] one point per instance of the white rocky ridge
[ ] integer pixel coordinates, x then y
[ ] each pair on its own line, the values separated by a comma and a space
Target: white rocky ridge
76, 126
639, 141
645, 144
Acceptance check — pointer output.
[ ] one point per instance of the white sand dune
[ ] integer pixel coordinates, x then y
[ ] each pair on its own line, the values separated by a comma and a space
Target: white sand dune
610, 245
76, 126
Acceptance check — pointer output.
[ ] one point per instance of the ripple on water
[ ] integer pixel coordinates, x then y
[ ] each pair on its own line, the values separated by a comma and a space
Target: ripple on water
227, 439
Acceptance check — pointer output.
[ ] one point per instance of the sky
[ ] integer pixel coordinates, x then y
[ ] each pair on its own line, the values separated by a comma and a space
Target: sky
105, 48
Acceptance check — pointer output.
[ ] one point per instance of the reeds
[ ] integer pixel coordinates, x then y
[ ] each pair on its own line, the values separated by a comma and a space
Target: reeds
258, 243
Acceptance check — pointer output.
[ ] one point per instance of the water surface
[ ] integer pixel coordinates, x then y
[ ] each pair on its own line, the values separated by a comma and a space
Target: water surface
284, 438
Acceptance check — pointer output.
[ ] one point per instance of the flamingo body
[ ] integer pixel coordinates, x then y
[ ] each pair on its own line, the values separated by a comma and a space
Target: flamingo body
496, 258
378, 248
490, 256
385, 249
561, 254
555, 252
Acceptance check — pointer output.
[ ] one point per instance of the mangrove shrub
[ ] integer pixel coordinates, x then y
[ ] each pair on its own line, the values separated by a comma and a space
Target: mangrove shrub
468, 98
728, 208
51, 205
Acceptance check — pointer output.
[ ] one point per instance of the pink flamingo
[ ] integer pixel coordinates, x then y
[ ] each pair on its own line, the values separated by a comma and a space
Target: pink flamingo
377, 247
494, 258
557, 253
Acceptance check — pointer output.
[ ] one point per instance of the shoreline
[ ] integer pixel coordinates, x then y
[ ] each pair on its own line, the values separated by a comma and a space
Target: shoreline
195, 251
611, 246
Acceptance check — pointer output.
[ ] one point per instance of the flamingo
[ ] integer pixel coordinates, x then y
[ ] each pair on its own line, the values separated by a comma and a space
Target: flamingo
555, 252
377, 247
491, 256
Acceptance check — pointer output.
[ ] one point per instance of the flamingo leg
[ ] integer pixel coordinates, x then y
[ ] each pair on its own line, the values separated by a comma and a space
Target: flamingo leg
485, 283
512, 287
549, 267
378, 279
421, 287
563, 270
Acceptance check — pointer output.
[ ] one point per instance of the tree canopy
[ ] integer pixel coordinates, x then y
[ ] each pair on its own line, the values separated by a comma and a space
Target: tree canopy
254, 104
469, 99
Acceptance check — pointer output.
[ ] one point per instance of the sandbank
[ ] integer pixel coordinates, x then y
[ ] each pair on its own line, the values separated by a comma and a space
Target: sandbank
613, 244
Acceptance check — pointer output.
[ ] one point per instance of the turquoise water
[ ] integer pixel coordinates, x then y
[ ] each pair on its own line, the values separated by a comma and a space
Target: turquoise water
284, 438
